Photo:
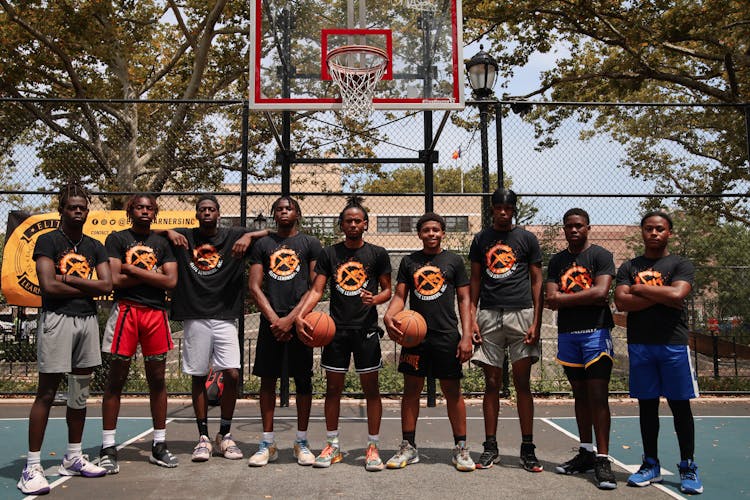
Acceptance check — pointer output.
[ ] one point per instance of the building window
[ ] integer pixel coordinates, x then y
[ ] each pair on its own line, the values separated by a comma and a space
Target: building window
397, 223
320, 224
457, 223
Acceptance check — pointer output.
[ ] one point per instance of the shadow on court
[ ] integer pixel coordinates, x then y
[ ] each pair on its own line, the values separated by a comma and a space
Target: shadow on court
721, 432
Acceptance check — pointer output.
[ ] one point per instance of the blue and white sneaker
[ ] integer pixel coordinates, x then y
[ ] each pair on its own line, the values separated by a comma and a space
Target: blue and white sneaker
80, 466
689, 481
650, 472
32, 481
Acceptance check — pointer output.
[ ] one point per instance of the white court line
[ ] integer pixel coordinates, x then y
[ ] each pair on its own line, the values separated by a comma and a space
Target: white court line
629, 468
123, 445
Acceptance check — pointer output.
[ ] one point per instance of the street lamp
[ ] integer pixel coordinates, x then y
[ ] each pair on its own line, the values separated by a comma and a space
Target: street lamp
482, 70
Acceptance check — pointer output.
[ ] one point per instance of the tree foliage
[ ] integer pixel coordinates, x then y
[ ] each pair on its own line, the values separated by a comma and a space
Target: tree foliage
676, 51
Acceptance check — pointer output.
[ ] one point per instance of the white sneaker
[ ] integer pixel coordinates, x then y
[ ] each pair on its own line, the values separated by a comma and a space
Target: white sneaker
32, 480
302, 452
267, 452
227, 448
80, 466
202, 450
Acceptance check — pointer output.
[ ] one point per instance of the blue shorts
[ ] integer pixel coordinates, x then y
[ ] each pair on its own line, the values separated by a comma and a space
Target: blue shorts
582, 349
662, 370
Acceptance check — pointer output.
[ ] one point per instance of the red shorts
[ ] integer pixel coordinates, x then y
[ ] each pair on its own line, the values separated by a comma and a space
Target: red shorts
130, 323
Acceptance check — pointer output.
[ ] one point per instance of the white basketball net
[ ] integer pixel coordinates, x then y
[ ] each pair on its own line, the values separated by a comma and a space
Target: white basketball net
356, 70
423, 5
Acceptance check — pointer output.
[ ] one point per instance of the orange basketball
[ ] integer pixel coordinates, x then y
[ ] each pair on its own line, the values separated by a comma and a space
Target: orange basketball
323, 328
413, 327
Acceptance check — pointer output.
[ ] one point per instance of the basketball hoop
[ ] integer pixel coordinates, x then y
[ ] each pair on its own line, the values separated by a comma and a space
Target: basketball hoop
357, 69
421, 5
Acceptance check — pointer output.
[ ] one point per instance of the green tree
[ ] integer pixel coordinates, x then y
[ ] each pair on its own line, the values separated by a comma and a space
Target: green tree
677, 51
126, 49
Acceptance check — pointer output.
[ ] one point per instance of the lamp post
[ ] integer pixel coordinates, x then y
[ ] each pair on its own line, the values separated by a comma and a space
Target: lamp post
482, 70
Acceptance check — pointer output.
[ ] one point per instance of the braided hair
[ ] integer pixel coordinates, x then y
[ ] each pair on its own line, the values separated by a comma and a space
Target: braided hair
71, 190
354, 202
294, 203
137, 196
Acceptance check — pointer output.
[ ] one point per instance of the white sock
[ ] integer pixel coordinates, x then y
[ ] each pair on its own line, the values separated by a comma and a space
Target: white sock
74, 450
600, 455
332, 435
301, 435
160, 435
268, 437
33, 457
588, 446
108, 438
373, 438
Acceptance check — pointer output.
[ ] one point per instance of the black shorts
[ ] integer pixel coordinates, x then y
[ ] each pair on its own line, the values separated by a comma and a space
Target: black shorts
269, 354
435, 356
364, 344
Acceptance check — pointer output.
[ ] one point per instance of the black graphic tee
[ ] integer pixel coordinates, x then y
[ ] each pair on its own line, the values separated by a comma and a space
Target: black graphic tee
209, 279
505, 257
147, 252
80, 261
658, 324
349, 271
432, 281
286, 267
575, 273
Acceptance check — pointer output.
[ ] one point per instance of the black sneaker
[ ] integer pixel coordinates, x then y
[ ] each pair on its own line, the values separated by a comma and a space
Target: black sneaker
605, 478
160, 455
108, 460
489, 456
579, 464
528, 458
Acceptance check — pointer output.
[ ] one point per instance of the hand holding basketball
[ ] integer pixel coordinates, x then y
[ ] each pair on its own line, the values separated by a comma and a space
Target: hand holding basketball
320, 329
412, 325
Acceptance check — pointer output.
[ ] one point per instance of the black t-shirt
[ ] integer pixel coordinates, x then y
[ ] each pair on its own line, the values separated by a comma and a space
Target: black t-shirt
575, 273
658, 324
350, 271
505, 257
147, 252
80, 260
209, 279
286, 267
432, 281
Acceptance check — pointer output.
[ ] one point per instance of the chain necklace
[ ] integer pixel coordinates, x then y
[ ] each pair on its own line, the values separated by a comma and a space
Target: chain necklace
74, 245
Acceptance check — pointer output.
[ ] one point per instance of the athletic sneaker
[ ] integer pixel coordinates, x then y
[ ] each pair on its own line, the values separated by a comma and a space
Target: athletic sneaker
373, 461
267, 452
32, 481
490, 456
302, 452
650, 472
80, 466
226, 447
202, 450
605, 478
461, 458
689, 481
162, 457
108, 460
331, 454
406, 455
528, 458
581, 463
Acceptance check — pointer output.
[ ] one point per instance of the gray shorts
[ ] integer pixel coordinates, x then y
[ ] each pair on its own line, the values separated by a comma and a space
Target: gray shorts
501, 328
209, 341
67, 342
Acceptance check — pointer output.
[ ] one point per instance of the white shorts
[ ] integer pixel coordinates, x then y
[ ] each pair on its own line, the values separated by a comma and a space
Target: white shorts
67, 342
209, 342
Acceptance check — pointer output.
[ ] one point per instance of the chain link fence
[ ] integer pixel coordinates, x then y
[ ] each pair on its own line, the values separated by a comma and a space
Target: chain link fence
615, 161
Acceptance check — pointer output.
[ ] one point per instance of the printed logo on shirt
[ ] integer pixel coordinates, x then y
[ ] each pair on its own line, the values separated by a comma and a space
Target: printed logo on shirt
500, 261
351, 278
429, 283
206, 260
141, 256
284, 264
575, 279
74, 264
649, 277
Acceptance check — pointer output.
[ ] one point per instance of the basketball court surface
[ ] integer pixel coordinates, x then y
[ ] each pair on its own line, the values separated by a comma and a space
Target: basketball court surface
722, 452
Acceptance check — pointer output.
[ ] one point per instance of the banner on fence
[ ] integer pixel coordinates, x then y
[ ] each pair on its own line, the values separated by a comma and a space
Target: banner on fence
19, 281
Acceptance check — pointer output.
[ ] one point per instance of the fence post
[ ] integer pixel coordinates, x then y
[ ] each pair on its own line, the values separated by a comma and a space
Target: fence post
243, 222
715, 342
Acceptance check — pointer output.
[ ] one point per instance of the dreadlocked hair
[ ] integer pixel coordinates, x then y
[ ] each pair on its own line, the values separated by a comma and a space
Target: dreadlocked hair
137, 196
71, 190
294, 203
353, 201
